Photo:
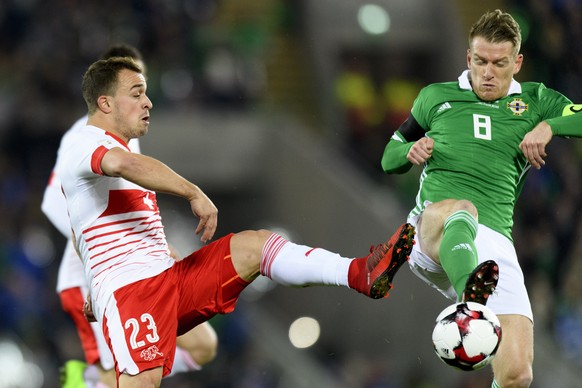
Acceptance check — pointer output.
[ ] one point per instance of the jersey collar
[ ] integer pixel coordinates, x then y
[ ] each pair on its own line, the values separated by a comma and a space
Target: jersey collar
117, 138
120, 140
514, 87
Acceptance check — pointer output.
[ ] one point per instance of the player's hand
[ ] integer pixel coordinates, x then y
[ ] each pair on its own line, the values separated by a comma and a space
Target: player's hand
420, 151
534, 144
204, 209
88, 310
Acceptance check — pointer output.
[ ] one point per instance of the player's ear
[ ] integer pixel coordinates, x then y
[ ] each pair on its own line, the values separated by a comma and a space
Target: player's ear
104, 104
518, 63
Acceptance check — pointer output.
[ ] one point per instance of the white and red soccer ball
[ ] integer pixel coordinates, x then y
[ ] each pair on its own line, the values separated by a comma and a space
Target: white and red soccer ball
467, 335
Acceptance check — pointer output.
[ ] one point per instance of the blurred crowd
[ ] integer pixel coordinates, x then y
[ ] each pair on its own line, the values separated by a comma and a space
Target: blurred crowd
217, 61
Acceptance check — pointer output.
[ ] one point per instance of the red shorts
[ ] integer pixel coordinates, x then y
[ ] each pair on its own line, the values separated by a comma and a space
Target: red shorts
72, 301
152, 312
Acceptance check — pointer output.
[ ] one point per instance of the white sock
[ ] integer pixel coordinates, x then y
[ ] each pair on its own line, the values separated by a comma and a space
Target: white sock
183, 362
91, 376
291, 264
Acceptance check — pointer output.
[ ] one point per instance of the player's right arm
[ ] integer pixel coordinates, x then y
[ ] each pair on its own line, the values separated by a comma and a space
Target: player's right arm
154, 175
408, 146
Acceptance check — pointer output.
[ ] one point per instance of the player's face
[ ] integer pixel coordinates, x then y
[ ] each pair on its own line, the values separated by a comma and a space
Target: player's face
132, 106
492, 67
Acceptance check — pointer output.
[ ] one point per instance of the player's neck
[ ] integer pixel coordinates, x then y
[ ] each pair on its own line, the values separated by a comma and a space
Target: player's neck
104, 124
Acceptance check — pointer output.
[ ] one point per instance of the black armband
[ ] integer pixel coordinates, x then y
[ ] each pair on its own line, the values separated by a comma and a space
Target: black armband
411, 130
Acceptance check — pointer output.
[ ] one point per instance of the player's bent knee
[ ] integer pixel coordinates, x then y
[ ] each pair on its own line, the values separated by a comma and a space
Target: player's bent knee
447, 207
208, 348
516, 377
246, 252
522, 382
263, 235
252, 239
206, 356
201, 343
437, 212
466, 205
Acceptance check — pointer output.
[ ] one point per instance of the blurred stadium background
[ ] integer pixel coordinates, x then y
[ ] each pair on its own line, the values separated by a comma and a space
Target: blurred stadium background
280, 111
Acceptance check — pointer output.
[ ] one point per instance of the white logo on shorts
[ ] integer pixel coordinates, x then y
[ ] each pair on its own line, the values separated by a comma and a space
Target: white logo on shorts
151, 353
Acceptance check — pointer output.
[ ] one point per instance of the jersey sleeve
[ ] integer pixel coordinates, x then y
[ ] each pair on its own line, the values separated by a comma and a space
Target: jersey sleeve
86, 151
552, 101
421, 108
394, 158
570, 123
555, 109
96, 158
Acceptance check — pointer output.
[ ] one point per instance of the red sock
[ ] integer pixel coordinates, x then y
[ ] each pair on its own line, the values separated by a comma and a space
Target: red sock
356, 267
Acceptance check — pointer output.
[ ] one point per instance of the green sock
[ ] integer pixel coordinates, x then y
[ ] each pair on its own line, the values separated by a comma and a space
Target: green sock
457, 252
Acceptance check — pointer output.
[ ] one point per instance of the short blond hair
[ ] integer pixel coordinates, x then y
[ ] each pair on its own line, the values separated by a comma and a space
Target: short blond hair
497, 27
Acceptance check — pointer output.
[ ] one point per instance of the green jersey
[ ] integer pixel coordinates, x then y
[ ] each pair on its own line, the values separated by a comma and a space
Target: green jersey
476, 153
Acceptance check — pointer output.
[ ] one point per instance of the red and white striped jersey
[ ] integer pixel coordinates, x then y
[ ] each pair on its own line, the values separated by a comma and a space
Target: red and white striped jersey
54, 206
116, 223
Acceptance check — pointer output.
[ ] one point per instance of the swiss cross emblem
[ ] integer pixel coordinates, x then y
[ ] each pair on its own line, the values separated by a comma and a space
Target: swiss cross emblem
151, 353
148, 201
517, 106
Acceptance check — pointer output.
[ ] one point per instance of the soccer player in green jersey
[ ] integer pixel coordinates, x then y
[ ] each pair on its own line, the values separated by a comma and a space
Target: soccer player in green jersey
476, 139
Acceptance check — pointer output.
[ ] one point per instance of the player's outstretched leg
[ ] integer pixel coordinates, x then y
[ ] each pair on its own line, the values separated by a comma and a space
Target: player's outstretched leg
482, 282
373, 275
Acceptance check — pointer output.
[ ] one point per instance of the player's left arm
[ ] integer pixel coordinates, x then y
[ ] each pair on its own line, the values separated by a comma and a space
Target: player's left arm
534, 142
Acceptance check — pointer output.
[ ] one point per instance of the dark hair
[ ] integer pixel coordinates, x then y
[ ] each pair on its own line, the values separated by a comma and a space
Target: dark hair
497, 27
122, 50
100, 79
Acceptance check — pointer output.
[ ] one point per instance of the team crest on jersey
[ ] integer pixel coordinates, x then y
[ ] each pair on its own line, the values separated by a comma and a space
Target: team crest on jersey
517, 106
